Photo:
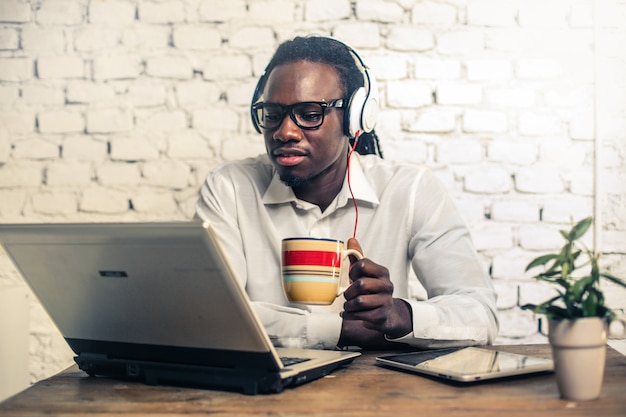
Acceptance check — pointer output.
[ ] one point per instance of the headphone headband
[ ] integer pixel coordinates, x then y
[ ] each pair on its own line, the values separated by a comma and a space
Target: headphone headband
361, 111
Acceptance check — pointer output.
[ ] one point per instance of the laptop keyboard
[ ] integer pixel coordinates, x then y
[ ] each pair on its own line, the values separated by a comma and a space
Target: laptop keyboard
288, 361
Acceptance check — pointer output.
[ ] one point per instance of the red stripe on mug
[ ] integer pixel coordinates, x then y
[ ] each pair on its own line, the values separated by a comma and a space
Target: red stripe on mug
305, 257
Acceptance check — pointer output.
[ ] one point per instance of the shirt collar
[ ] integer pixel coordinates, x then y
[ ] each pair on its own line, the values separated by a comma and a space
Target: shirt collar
278, 193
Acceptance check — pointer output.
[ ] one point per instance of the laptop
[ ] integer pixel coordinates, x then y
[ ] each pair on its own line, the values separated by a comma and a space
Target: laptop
156, 302
467, 364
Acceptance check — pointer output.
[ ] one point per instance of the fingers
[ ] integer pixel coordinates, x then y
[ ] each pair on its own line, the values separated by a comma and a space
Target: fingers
354, 244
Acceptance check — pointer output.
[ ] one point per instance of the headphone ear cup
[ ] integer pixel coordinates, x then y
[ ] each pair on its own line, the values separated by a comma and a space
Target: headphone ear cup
353, 113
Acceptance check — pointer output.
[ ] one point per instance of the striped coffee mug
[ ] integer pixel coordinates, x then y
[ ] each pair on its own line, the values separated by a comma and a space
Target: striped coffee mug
313, 269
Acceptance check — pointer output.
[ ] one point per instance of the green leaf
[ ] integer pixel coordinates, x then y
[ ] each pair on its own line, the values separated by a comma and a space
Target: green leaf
580, 228
614, 279
541, 260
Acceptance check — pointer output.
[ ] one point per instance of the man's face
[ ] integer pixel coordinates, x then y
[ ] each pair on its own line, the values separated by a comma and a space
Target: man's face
303, 156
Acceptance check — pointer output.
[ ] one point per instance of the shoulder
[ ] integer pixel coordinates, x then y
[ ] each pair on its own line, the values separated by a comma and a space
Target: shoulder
384, 172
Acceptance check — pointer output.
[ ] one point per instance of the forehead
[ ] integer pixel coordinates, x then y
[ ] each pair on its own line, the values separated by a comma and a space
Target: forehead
303, 81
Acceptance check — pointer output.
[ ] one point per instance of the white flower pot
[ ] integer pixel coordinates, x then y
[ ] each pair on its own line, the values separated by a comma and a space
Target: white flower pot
579, 354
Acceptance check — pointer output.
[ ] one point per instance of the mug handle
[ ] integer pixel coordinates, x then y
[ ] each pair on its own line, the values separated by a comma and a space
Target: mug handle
621, 322
345, 255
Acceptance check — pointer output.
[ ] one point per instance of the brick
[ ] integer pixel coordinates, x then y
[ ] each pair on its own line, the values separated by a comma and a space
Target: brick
239, 94
539, 123
170, 174
55, 67
89, 92
96, 199
197, 38
221, 10
162, 12
491, 13
16, 69
408, 94
20, 175
455, 151
379, 11
133, 149
251, 37
434, 121
188, 145
459, 94
5, 147
473, 211
36, 94
325, 10
118, 174
490, 70
195, 94
516, 97
492, 236
13, 202
487, 180
72, 174
518, 325
112, 67
95, 39
9, 39
426, 68
60, 12
565, 209
486, 121
143, 36
14, 11
581, 182
278, 11
388, 67
407, 38
112, 12
61, 121
9, 95
507, 294
176, 67
109, 120
542, 14
582, 124
539, 238
359, 35
515, 211
45, 40
55, 203
249, 146
517, 153
613, 241
17, 122
215, 118
433, 14
566, 155
460, 43
227, 67
511, 265
142, 93
539, 179
35, 148
149, 201
163, 121
529, 69
411, 151
83, 148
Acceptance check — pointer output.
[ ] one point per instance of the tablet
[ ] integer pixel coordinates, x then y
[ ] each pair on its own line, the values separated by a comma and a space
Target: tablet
467, 364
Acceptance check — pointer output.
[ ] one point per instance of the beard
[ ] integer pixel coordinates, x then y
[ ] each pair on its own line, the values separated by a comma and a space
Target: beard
295, 181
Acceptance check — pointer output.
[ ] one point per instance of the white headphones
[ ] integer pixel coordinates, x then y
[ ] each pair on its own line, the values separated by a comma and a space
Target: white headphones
361, 110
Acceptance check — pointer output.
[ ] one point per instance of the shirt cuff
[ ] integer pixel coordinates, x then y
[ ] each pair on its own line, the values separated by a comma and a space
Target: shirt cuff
323, 330
425, 318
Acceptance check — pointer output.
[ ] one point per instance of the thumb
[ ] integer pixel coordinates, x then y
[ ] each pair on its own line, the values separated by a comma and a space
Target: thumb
354, 244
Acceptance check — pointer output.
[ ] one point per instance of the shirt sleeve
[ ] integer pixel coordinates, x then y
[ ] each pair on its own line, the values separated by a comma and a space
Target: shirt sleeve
461, 305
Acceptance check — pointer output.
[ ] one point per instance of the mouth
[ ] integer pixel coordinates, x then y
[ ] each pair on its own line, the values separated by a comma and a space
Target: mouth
289, 156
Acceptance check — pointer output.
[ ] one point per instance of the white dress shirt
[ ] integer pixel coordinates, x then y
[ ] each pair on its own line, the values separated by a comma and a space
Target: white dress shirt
405, 220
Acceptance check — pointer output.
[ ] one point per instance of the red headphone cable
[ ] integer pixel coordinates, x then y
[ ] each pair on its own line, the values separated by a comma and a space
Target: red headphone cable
356, 207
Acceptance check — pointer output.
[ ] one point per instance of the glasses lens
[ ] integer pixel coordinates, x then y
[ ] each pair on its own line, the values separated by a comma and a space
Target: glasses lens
269, 115
308, 115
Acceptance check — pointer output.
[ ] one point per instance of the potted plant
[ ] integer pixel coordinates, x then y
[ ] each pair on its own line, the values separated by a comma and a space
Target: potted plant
578, 316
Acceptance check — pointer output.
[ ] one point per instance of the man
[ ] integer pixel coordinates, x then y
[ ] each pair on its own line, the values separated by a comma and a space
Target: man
310, 184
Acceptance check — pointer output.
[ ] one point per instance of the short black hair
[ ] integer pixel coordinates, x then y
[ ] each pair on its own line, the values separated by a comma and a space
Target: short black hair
324, 50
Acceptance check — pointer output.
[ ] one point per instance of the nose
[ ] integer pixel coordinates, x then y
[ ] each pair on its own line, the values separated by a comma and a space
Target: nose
287, 131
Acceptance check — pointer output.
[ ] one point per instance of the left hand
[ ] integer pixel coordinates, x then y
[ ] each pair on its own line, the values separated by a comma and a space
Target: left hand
370, 298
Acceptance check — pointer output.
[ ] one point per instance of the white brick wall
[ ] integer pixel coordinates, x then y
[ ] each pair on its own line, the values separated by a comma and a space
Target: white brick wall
114, 110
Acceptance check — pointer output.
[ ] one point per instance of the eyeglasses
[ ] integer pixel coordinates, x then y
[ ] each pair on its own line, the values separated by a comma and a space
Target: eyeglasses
306, 115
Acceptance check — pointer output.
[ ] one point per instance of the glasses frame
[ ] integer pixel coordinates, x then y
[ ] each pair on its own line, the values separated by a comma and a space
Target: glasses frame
288, 109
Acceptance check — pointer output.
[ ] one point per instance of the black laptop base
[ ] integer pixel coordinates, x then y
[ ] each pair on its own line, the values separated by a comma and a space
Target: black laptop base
153, 373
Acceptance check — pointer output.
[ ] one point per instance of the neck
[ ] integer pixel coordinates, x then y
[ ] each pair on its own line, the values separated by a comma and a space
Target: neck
323, 189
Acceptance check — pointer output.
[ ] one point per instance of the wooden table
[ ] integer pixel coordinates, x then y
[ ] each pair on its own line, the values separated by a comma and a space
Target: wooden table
362, 389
